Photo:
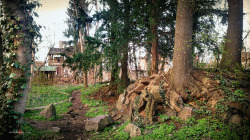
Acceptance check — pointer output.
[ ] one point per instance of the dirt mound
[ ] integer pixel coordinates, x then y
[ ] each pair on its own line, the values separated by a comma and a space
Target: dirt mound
146, 98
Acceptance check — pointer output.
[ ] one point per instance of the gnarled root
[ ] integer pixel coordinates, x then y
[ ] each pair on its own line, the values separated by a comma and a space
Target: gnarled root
197, 87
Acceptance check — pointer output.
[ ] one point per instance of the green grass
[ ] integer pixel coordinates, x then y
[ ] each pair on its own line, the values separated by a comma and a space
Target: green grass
97, 106
60, 109
113, 132
191, 129
30, 133
96, 111
44, 95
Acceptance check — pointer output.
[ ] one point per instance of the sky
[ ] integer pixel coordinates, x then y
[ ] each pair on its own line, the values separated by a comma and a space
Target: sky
52, 15
246, 23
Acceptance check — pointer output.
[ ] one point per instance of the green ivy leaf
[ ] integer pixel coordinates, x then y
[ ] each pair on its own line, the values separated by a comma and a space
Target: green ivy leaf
15, 117
9, 101
23, 87
12, 75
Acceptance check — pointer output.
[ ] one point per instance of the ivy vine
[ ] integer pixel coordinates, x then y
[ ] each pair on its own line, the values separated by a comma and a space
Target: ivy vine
15, 34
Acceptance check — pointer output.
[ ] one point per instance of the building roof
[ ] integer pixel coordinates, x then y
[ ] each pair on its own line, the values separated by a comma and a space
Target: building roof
55, 51
58, 51
46, 68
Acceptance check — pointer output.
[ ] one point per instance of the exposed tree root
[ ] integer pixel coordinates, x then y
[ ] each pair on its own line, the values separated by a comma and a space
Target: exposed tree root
147, 96
198, 87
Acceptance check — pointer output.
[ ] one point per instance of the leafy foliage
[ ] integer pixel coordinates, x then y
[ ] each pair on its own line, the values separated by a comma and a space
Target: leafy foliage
44, 95
97, 106
14, 34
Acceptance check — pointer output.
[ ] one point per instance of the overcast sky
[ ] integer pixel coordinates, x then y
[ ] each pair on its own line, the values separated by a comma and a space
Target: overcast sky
53, 15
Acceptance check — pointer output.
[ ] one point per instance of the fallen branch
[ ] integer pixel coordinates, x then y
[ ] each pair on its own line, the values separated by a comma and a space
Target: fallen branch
42, 107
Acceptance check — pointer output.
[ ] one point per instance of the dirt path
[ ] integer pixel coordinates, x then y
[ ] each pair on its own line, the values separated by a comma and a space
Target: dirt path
72, 124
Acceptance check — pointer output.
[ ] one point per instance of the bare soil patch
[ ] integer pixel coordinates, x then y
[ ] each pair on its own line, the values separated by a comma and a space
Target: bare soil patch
72, 124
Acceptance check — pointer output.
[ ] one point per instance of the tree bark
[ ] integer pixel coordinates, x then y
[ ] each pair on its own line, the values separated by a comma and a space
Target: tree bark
124, 63
113, 8
1, 50
85, 74
82, 44
154, 49
1, 58
24, 50
182, 59
231, 58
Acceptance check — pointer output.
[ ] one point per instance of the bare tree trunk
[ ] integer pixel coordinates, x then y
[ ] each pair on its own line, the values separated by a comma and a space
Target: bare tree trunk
124, 63
148, 63
182, 59
100, 73
114, 72
162, 65
85, 72
82, 44
96, 6
154, 49
97, 26
95, 71
24, 54
231, 58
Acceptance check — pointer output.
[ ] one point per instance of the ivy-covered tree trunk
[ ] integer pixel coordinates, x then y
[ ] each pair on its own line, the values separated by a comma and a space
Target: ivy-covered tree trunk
1, 59
1, 50
182, 59
23, 44
231, 58
154, 49
124, 63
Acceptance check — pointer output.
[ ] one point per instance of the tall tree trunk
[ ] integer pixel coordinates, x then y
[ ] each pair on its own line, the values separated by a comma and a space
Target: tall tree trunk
23, 51
114, 72
82, 44
113, 8
154, 49
182, 59
96, 6
97, 26
1, 58
100, 72
1, 50
231, 58
124, 63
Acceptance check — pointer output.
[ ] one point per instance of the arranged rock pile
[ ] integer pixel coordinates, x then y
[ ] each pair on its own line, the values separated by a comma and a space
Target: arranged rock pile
146, 97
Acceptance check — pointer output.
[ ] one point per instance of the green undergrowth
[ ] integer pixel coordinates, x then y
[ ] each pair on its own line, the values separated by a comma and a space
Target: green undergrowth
96, 111
205, 128
60, 109
115, 131
97, 106
30, 133
43, 95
